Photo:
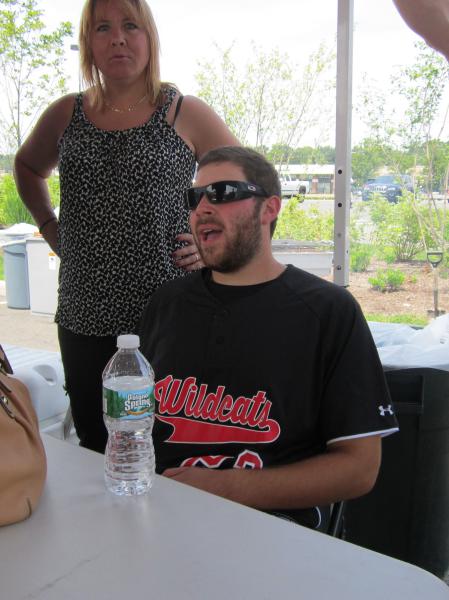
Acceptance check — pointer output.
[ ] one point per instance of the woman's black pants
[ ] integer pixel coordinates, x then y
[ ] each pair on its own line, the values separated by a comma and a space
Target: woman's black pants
84, 357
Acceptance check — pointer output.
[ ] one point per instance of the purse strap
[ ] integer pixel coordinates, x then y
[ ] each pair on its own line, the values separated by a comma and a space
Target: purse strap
5, 365
6, 392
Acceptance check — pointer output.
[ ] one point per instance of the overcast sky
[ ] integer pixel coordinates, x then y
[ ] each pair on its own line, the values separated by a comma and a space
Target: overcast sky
188, 29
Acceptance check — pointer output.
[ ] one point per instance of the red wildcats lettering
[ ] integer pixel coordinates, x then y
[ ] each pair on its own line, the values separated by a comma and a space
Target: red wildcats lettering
194, 401
225, 405
209, 410
174, 406
198, 417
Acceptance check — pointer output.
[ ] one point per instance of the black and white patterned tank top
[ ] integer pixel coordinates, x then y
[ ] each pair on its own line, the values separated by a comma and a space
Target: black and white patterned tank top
121, 209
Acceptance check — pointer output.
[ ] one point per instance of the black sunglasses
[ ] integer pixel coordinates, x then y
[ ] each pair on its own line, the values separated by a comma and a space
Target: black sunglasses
223, 191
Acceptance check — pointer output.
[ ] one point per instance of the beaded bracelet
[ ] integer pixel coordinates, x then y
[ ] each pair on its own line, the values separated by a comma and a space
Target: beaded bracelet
46, 223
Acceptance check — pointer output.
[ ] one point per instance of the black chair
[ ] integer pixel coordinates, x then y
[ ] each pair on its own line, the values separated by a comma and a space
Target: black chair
406, 515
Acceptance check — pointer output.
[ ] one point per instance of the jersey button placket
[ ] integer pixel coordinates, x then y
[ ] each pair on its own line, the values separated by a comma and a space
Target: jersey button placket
219, 339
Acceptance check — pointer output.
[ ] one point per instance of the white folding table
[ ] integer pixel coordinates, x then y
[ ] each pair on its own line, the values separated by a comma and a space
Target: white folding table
179, 543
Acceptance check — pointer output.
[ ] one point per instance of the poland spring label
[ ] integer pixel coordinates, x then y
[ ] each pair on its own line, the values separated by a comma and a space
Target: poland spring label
128, 404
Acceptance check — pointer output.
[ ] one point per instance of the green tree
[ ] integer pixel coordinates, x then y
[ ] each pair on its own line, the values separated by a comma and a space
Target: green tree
309, 155
367, 158
385, 143
271, 101
422, 85
434, 179
6, 162
325, 156
410, 138
283, 154
31, 65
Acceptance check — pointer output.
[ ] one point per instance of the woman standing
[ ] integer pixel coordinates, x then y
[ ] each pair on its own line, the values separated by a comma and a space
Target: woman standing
126, 151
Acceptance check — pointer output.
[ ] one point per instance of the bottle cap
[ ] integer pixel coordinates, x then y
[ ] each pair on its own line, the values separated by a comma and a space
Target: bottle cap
128, 341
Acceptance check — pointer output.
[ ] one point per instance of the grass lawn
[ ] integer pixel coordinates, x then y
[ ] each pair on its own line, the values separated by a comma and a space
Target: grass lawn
406, 319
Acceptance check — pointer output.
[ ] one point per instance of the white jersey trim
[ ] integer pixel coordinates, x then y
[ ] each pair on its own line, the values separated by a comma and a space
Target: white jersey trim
381, 432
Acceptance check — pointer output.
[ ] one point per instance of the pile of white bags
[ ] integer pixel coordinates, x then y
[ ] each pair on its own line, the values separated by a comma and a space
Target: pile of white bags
402, 346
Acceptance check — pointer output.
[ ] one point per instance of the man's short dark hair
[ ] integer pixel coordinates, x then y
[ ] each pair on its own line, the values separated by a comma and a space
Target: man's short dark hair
257, 168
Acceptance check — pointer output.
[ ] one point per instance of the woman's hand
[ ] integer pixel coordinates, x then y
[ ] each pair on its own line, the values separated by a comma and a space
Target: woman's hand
187, 257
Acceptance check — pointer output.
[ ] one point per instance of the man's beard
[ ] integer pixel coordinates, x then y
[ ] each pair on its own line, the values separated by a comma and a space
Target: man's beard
241, 248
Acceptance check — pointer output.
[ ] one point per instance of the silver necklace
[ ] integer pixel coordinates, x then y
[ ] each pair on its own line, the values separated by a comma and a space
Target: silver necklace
130, 108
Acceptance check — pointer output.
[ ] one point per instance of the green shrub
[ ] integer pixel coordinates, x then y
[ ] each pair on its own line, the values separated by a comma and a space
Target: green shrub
12, 209
360, 258
358, 233
387, 254
387, 280
296, 223
397, 226
53, 187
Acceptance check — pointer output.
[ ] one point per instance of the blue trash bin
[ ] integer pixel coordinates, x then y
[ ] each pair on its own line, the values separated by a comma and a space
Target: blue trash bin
16, 275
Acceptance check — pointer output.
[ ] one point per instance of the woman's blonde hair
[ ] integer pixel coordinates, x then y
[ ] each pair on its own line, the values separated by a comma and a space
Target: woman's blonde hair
141, 12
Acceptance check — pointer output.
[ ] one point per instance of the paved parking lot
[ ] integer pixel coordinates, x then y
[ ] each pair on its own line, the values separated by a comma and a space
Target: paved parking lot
23, 328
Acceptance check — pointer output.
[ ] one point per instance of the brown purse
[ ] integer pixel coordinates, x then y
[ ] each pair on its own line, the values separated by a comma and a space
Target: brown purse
23, 464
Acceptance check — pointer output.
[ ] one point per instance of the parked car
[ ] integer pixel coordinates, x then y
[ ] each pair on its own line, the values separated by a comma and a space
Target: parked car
290, 186
388, 186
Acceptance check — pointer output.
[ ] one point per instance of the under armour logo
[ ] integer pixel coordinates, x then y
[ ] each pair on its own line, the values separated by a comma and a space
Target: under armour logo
384, 410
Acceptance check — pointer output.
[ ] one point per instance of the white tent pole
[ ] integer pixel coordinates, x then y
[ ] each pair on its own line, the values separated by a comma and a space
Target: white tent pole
342, 177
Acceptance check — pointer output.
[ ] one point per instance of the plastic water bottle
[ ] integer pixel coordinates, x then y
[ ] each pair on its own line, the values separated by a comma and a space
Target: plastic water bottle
128, 408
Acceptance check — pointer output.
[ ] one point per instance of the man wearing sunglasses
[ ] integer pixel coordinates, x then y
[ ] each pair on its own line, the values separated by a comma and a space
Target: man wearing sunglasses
269, 390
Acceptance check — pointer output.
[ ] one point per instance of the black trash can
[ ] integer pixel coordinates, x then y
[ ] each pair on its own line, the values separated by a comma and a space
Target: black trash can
406, 515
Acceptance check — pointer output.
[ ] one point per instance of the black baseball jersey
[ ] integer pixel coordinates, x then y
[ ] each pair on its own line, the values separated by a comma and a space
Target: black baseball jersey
267, 377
